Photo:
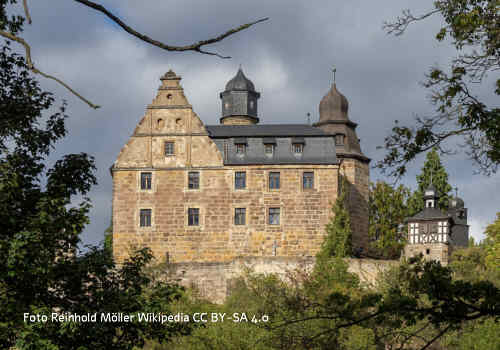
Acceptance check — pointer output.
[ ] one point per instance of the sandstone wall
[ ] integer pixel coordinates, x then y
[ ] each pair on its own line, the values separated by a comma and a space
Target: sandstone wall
213, 280
303, 213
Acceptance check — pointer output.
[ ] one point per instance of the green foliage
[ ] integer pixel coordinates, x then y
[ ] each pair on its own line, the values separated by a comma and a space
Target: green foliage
40, 270
492, 244
388, 210
432, 168
338, 240
472, 26
472, 264
108, 240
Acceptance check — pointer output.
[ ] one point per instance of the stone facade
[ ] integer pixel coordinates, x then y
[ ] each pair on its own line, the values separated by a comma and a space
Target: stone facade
214, 280
216, 243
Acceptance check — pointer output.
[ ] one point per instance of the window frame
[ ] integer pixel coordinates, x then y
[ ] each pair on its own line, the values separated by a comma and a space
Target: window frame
196, 180
236, 180
143, 218
297, 146
310, 175
193, 216
144, 180
240, 216
274, 183
241, 148
271, 213
165, 148
269, 146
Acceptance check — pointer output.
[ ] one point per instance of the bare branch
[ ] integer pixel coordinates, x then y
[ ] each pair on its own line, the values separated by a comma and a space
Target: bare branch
35, 70
402, 22
193, 47
26, 11
439, 335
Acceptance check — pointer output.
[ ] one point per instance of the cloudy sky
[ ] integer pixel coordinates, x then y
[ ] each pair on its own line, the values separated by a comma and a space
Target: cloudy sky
289, 58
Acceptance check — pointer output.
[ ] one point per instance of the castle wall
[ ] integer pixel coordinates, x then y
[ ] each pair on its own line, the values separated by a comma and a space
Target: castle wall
431, 251
214, 280
358, 175
303, 213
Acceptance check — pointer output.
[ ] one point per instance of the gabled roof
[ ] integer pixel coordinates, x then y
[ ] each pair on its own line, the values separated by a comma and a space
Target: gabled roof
264, 130
430, 214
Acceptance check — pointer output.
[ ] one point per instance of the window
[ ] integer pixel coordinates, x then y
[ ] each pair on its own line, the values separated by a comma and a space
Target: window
193, 180
146, 181
414, 228
145, 217
427, 251
274, 181
297, 148
169, 148
308, 180
240, 148
442, 227
274, 216
193, 216
239, 216
339, 139
269, 148
240, 180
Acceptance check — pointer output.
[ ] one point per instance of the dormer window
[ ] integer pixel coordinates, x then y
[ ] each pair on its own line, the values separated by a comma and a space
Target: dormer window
241, 145
298, 145
297, 148
240, 148
269, 149
269, 145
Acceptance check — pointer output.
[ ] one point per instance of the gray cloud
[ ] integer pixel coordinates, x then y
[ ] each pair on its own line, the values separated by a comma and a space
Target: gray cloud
289, 58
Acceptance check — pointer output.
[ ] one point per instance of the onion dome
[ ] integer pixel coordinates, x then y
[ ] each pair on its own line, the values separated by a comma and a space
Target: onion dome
240, 83
457, 202
239, 101
333, 106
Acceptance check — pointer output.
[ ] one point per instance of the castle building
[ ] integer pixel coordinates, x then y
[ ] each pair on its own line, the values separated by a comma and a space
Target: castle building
210, 193
434, 233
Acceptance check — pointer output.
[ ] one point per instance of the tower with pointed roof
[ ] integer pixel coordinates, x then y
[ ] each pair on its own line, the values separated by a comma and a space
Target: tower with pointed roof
239, 101
434, 233
334, 119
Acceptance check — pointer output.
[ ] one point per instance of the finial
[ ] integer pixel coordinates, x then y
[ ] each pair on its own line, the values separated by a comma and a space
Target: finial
240, 66
456, 192
334, 70
308, 118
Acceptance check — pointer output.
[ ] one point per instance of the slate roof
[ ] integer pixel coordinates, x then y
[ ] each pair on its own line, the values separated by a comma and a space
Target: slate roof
264, 130
319, 146
430, 214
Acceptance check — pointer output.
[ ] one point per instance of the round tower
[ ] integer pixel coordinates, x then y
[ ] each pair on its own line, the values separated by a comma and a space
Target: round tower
239, 101
334, 119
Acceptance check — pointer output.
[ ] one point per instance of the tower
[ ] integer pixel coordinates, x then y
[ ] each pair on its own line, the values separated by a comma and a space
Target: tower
460, 230
430, 231
239, 101
334, 119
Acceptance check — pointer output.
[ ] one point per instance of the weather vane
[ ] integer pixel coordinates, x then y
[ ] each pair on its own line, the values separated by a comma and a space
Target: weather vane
334, 70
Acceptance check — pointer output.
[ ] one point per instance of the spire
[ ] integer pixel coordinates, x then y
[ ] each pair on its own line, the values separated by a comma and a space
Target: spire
239, 101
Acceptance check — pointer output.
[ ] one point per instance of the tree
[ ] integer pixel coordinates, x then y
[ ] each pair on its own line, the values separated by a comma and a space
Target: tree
10, 27
432, 169
473, 26
492, 244
388, 210
338, 240
40, 270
